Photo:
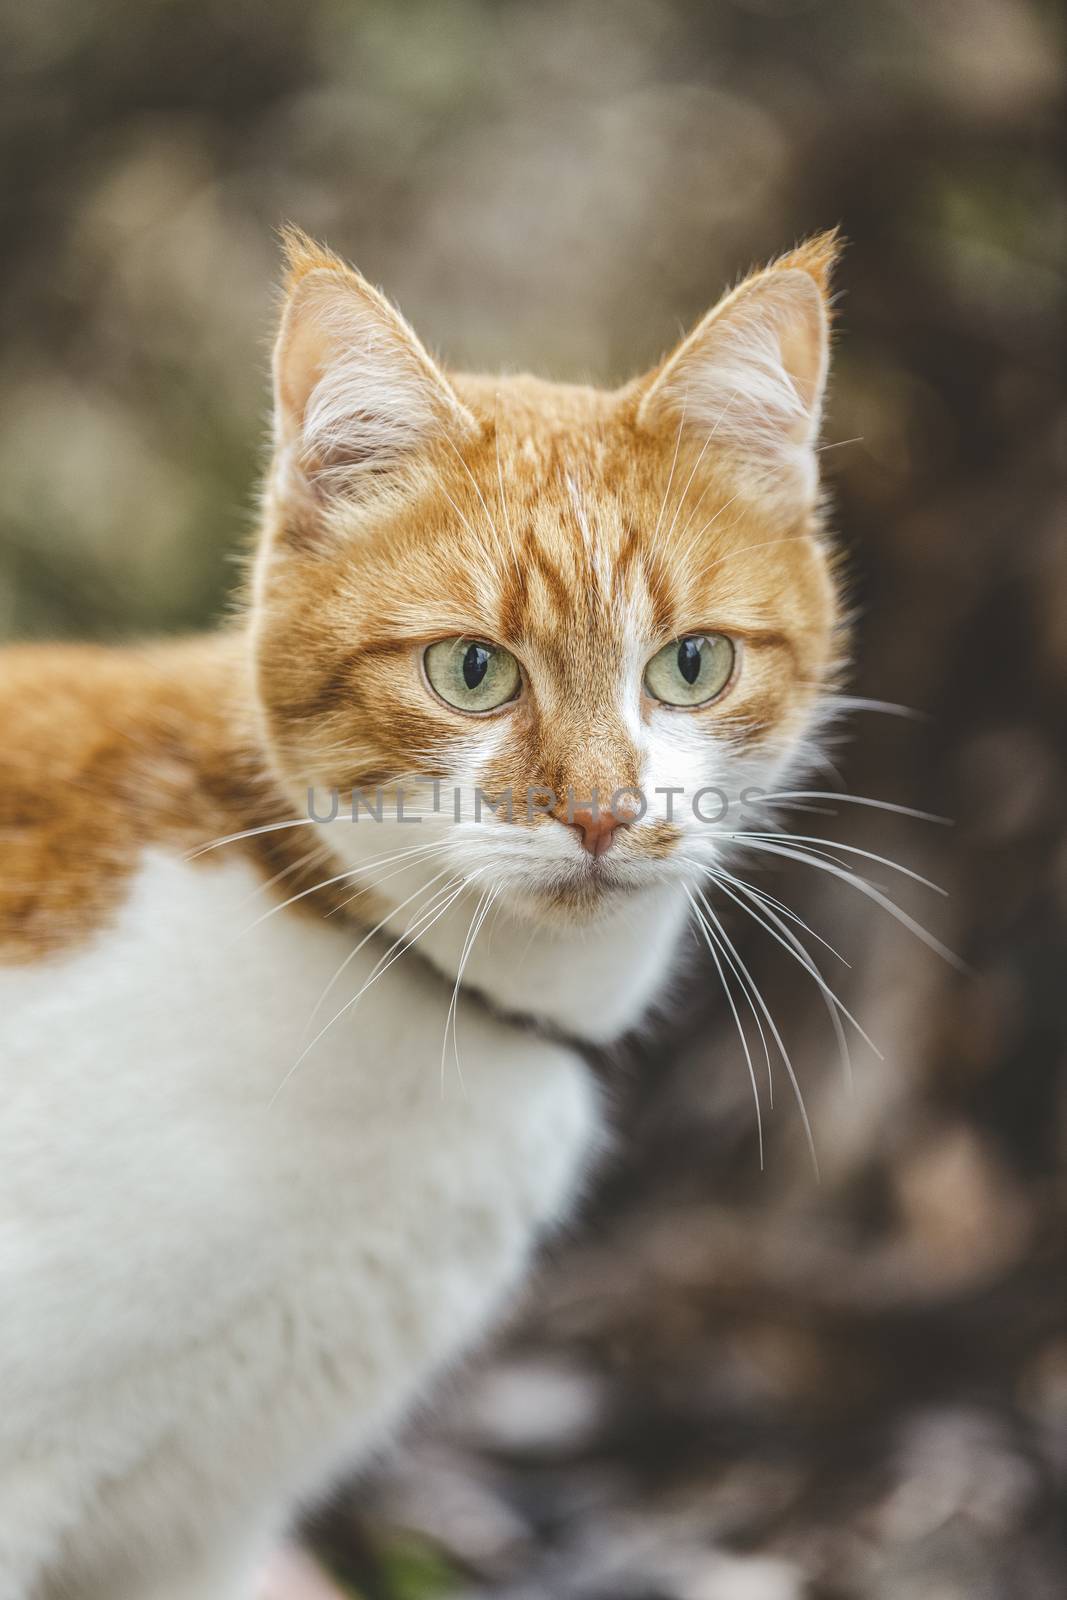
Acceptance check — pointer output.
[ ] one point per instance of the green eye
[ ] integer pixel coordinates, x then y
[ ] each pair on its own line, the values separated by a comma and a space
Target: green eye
472, 675
691, 671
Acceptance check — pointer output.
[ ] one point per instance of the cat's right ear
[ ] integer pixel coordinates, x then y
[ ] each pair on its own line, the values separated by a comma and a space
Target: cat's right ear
749, 378
357, 398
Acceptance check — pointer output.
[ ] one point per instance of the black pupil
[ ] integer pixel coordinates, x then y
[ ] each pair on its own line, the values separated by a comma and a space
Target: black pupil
689, 659
475, 665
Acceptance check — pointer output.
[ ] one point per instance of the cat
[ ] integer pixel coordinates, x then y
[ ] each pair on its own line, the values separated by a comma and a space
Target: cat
287, 1098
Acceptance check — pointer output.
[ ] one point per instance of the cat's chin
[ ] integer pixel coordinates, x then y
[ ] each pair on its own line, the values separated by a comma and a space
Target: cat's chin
583, 900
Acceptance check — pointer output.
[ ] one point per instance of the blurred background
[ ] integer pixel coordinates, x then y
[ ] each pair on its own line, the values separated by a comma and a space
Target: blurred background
724, 1384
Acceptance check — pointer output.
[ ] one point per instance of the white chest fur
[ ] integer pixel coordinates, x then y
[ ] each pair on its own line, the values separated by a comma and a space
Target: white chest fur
218, 1287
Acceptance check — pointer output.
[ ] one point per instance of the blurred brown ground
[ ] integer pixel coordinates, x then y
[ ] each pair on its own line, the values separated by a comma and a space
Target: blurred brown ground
724, 1384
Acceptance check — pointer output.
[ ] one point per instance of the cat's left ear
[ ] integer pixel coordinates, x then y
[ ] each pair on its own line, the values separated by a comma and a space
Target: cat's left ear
357, 398
752, 374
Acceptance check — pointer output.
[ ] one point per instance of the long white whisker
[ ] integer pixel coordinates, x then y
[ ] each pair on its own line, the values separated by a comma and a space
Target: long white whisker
453, 998
744, 985
787, 795
793, 944
340, 877
423, 923
849, 849
294, 866
829, 1000
767, 902
773, 1027
824, 865
838, 444
354, 952
764, 894
708, 940
302, 894
250, 833
425, 854
889, 708
480, 913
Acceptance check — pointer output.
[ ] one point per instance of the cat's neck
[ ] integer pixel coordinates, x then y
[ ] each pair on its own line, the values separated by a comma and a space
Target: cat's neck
594, 983
593, 980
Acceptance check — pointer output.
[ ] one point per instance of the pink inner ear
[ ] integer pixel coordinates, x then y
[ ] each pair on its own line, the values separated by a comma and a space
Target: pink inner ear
300, 356
803, 340
752, 373
355, 392
801, 346
772, 344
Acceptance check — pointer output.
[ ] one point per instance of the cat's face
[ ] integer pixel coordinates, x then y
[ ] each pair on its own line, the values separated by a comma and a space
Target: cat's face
535, 594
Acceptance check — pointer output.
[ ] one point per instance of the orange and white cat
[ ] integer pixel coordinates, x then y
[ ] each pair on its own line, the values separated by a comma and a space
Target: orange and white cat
280, 1120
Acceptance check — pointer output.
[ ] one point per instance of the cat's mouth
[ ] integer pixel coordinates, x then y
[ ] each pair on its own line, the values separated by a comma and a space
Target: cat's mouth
590, 887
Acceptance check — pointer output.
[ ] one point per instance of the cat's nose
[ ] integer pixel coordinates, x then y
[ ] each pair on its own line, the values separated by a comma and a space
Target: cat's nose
595, 828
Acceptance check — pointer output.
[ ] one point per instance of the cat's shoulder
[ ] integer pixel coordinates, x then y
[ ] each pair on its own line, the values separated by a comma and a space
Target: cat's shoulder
105, 751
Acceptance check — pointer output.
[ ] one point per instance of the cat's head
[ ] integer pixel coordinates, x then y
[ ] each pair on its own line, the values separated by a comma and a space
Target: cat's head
541, 593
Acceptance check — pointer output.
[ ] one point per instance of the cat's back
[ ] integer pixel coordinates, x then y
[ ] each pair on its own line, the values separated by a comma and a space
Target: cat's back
105, 753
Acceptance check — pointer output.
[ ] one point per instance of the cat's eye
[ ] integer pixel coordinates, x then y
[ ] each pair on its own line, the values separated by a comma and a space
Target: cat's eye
472, 675
691, 671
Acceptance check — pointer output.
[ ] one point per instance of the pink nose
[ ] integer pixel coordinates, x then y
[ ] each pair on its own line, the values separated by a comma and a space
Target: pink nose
596, 829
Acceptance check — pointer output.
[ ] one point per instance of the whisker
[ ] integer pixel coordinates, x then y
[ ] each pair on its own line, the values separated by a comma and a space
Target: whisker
807, 962
829, 1000
849, 849
705, 931
825, 865
294, 866
494, 530
459, 512
774, 1030
423, 923
425, 854
249, 833
808, 810
744, 987
326, 883
453, 998
742, 550
786, 795
681, 499
674, 463
702, 531
273, 827
764, 894
889, 708
750, 839
481, 911
354, 952
838, 444
302, 894
745, 990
